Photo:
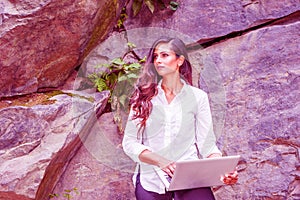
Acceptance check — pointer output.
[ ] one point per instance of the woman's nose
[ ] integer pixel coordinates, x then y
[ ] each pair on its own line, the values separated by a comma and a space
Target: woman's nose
158, 59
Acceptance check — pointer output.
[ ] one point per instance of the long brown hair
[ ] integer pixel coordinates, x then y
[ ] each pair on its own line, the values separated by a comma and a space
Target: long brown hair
146, 86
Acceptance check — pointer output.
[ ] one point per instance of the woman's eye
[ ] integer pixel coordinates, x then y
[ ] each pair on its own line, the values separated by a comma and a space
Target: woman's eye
164, 55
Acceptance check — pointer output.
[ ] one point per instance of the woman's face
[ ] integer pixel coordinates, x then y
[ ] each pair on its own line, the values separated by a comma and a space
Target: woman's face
165, 60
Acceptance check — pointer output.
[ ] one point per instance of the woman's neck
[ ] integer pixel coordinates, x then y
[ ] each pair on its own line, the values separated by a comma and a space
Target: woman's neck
171, 86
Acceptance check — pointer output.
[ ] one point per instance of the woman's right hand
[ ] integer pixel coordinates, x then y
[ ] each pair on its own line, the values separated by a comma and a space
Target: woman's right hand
154, 159
168, 167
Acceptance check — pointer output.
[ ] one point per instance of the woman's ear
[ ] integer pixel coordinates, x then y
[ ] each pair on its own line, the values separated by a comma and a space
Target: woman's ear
180, 60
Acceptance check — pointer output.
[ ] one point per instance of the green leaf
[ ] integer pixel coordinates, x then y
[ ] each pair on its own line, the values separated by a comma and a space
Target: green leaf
119, 23
67, 195
53, 195
112, 78
174, 5
136, 6
150, 5
101, 84
106, 65
132, 75
92, 76
118, 61
143, 59
124, 15
123, 77
131, 45
126, 68
132, 66
135, 65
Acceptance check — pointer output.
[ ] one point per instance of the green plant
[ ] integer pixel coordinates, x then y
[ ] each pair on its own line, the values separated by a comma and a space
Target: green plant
136, 7
122, 18
67, 194
173, 5
151, 4
118, 76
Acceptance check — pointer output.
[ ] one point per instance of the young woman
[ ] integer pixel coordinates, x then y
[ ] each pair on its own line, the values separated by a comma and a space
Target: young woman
169, 120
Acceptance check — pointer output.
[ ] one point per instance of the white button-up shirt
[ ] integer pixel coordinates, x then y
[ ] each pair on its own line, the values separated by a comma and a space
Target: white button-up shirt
171, 131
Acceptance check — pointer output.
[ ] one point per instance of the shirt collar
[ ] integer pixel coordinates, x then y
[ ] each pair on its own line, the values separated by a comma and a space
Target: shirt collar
181, 91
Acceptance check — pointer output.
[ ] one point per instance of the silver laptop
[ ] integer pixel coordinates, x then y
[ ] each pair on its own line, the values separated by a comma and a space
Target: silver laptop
199, 173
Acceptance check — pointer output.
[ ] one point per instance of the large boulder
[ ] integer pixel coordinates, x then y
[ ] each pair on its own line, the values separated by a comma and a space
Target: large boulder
252, 80
253, 84
260, 76
206, 20
42, 42
38, 141
100, 169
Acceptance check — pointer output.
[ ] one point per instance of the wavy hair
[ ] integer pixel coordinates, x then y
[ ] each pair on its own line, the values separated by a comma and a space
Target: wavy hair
146, 86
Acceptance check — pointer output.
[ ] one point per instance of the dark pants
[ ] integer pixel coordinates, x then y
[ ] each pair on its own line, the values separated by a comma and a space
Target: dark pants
192, 194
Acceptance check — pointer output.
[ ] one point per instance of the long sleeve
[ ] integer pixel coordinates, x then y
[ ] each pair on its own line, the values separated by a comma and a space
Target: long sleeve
205, 136
170, 132
132, 145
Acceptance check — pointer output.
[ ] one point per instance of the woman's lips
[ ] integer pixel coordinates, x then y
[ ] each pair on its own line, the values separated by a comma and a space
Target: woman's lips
159, 67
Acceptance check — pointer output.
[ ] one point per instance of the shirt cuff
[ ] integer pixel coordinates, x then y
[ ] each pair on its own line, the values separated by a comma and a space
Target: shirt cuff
213, 150
137, 151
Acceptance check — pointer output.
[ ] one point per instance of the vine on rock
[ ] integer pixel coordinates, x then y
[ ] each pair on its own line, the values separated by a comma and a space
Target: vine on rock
67, 194
151, 5
136, 5
118, 77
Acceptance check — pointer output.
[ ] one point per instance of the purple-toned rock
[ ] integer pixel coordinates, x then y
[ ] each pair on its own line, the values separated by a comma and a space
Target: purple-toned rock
253, 84
260, 77
42, 42
38, 142
252, 80
205, 20
100, 169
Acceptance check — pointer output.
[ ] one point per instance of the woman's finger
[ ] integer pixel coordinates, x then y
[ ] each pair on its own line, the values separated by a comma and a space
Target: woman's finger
169, 170
230, 178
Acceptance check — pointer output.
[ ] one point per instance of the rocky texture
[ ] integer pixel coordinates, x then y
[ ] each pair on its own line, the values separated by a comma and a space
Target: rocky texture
37, 143
206, 20
113, 47
251, 76
261, 77
42, 41
100, 169
253, 82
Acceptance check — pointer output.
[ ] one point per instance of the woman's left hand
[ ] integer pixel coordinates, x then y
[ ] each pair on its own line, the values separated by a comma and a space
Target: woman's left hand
230, 179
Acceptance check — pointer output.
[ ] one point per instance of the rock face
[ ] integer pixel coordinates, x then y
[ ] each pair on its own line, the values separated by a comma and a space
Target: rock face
260, 73
41, 42
252, 79
100, 169
250, 69
38, 142
205, 20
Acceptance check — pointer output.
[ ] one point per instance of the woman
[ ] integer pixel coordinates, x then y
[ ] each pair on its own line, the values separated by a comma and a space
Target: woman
169, 120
